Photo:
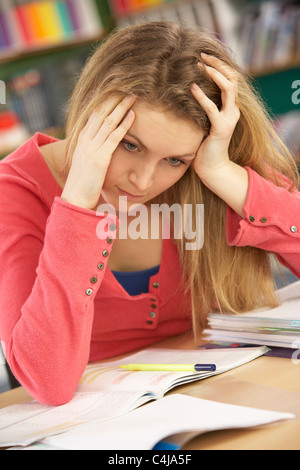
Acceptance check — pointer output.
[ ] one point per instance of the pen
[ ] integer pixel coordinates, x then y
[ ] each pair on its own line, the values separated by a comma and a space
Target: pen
171, 367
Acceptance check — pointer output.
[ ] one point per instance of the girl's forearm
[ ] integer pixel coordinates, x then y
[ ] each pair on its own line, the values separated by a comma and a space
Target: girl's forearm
230, 182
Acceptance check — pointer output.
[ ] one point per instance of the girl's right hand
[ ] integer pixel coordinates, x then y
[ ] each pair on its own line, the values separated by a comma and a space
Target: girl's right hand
97, 142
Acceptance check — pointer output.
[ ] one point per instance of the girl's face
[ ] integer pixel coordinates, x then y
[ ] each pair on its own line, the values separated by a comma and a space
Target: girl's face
153, 156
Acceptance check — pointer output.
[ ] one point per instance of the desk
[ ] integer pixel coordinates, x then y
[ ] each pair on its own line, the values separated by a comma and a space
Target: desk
267, 382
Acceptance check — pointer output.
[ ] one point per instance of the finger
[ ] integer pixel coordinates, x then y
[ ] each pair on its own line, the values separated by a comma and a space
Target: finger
208, 105
115, 137
96, 119
106, 114
218, 64
112, 120
228, 89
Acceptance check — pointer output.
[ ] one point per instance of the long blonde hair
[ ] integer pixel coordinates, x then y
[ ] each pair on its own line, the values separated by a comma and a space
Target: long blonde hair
157, 62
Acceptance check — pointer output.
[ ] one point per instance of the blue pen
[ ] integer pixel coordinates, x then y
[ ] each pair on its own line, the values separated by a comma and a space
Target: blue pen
171, 367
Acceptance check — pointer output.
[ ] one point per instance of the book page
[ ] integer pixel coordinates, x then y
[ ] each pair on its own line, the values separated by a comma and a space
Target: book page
109, 376
143, 428
26, 423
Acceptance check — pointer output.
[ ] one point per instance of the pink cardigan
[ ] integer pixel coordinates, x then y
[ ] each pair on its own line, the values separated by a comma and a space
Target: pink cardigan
61, 306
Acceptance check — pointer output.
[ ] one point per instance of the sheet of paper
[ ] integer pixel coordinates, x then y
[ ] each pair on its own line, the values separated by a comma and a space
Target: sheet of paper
279, 341
289, 292
143, 428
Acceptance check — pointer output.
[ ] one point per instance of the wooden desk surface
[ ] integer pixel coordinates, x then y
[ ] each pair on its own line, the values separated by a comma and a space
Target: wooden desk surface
267, 383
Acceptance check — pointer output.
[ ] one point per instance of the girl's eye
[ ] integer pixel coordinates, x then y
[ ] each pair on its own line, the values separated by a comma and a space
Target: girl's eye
129, 146
175, 162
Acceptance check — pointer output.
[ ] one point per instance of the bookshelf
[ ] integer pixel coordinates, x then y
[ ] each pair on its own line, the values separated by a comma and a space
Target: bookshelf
45, 66
270, 36
32, 26
270, 48
43, 47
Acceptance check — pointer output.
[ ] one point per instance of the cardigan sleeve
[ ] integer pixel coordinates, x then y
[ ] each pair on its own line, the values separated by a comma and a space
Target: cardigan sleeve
272, 221
51, 268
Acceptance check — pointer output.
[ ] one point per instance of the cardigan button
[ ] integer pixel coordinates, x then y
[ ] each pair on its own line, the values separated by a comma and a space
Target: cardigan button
89, 292
101, 266
105, 253
252, 218
263, 220
294, 229
109, 240
94, 280
155, 285
152, 314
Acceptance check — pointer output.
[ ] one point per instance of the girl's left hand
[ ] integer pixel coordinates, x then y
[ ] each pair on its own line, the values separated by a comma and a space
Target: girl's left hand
213, 152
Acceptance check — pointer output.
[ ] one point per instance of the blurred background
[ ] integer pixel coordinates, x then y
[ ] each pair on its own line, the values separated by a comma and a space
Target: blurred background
44, 45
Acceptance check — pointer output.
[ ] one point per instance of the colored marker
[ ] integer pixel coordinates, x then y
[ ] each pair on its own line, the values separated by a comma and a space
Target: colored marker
171, 367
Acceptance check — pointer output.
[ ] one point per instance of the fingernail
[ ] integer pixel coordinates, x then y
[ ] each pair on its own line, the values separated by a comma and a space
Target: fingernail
130, 114
195, 87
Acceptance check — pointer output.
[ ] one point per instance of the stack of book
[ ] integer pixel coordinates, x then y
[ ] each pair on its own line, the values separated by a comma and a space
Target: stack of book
34, 24
278, 327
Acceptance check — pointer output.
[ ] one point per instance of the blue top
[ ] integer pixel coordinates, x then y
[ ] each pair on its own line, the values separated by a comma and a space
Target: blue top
137, 282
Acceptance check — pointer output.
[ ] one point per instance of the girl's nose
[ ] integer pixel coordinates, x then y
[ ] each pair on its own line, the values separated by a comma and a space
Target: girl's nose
142, 177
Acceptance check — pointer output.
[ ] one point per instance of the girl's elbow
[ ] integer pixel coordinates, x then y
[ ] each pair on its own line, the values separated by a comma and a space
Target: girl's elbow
52, 396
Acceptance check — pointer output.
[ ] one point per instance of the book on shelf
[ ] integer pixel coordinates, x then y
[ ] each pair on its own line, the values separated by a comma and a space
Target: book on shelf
38, 97
278, 327
193, 13
217, 17
26, 25
107, 391
270, 35
127, 7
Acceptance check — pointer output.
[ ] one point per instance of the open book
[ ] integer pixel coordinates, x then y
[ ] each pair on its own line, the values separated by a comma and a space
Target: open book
106, 392
171, 421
